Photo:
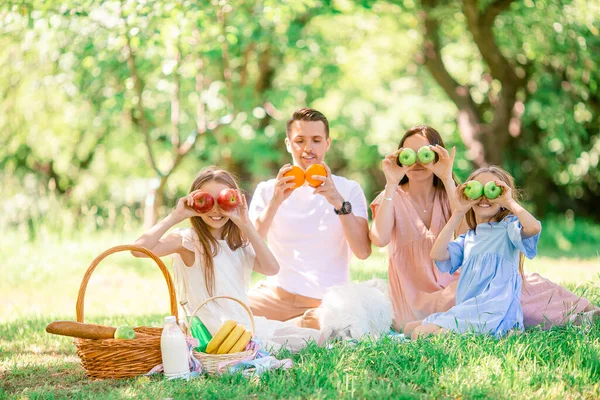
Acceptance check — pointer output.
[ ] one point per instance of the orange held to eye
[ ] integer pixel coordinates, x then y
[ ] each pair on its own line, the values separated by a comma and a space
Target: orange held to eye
298, 174
315, 169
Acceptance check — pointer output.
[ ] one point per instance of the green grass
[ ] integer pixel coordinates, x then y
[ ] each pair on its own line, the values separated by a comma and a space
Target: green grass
40, 282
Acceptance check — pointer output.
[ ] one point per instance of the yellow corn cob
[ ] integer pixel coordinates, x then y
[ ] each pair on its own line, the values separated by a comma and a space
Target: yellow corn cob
231, 339
220, 337
242, 342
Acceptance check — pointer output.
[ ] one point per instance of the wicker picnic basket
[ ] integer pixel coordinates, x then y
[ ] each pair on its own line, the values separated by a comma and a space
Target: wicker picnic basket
211, 362
118, 358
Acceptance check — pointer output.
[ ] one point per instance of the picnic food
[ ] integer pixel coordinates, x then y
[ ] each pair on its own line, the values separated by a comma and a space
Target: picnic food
80, 330
407, 157
425, 155
124, 332
228, 199
220, 337
491, 190
231, 339
203, 201
315, 169
242, 342
473, 190
298, 174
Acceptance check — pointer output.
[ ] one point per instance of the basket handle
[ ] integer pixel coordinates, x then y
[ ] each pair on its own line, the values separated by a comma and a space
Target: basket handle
229, 298
117, 249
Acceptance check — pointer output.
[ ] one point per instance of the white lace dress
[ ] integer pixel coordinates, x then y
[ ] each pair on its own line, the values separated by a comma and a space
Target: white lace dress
232, 272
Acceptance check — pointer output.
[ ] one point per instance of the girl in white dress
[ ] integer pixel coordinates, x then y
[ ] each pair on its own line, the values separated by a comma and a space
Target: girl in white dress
216, 256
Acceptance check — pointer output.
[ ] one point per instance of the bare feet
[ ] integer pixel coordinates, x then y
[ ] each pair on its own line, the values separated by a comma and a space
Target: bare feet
586, 318
425, 330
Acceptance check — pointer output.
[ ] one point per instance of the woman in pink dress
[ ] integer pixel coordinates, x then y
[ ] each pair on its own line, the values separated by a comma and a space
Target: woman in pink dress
408, 216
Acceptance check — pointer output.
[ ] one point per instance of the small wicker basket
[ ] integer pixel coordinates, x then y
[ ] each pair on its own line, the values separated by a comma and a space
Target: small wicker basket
119, 358
211, 362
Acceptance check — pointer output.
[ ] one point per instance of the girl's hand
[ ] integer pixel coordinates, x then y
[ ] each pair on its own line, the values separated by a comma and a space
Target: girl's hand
239, 216
505, 199
463, 203
443, 167
184, 208
392, 171
284, 185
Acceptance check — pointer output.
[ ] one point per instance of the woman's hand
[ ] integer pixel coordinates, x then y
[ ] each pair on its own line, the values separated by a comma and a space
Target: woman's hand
392, 171
463, 203
443, 167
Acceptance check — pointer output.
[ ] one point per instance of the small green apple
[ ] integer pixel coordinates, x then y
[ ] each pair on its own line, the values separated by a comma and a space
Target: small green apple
491, 190
473, 190
124, 332
425, 155
407, 157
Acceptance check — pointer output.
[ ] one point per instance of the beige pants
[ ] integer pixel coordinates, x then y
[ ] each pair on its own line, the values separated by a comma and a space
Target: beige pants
273, 302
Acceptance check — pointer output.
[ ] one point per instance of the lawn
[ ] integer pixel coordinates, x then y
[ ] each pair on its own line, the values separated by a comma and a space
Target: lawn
41, 279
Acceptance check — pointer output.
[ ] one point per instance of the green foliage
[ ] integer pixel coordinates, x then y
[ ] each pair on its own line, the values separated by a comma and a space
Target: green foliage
78, 123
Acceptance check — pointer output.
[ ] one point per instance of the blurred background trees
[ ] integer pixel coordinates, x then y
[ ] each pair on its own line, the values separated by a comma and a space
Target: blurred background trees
108, 109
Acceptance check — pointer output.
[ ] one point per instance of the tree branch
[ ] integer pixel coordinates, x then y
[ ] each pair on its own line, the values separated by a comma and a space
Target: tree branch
244, 64
138, 86
481, 29
225, 54
495, 9
469, 115
175, 107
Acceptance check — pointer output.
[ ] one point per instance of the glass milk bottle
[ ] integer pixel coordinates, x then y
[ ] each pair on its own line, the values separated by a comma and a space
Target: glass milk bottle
174, 350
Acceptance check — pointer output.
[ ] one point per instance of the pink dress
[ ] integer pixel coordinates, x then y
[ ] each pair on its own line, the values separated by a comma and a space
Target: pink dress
418, 288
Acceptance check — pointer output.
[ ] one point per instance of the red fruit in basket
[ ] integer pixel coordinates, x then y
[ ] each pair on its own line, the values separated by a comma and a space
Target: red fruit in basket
228, 199
203, 202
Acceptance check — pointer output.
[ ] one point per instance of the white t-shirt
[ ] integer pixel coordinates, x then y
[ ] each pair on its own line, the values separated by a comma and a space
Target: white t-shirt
307, 238
233, 269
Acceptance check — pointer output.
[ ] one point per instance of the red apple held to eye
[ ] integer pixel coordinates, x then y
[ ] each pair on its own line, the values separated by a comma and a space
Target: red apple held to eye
203, 202
228, 199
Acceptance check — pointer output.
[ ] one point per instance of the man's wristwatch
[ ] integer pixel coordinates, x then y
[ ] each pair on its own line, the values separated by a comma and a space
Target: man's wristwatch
345, 209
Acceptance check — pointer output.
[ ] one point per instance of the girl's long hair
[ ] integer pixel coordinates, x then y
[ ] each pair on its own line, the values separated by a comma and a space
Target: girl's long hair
231, 233
505, 177
434, 138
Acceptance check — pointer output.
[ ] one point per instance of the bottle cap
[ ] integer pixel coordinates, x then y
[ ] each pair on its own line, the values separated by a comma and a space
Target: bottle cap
170, 318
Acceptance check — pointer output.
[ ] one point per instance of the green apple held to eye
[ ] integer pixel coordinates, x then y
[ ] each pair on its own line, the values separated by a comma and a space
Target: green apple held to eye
491, 190
425, 155
407, 157
473, 190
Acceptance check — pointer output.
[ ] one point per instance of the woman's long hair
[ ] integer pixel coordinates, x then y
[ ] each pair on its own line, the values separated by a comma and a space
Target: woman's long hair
231, 233
434, 138
505, 177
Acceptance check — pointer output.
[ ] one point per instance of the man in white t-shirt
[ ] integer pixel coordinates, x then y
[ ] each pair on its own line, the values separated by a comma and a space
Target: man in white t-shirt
311, 232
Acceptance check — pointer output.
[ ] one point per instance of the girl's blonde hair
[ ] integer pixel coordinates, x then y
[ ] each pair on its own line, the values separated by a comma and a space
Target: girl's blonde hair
505, 177
231, 233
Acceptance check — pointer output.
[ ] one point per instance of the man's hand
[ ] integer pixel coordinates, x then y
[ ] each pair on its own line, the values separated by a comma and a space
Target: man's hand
328, 189
284, 185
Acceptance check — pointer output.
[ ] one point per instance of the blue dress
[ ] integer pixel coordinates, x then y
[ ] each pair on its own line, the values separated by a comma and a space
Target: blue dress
489, 287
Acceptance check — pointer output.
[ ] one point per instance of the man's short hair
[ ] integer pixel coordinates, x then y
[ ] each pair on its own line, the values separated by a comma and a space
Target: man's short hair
307, 114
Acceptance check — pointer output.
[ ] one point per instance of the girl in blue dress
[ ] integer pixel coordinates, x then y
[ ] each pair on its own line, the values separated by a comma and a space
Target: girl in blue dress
490, 256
